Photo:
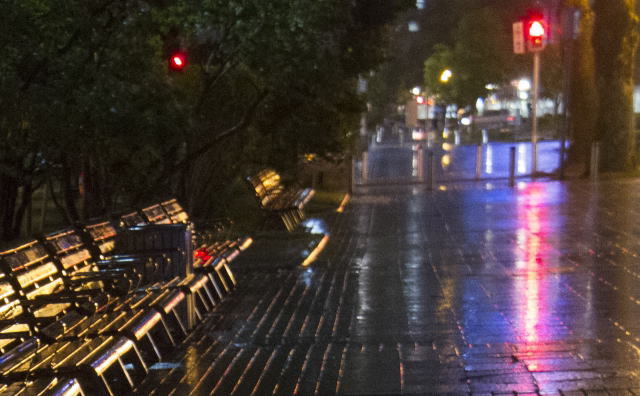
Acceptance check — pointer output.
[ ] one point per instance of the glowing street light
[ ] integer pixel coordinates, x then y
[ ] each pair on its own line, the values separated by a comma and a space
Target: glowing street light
445, 76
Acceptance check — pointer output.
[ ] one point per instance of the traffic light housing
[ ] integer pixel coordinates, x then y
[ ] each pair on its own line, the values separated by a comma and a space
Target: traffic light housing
536, 32
177, 61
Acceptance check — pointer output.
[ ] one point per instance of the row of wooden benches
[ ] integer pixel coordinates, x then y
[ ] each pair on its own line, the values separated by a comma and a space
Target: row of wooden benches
75, 318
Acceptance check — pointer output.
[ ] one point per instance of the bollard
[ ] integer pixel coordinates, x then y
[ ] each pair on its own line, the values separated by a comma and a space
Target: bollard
512, 166
534, 158
563, 150
420, 165
365, 166
595, 161
430, 170
478, 161
485, 136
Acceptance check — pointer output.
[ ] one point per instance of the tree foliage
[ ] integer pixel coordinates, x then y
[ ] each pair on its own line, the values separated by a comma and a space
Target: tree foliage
481, 54
87, 103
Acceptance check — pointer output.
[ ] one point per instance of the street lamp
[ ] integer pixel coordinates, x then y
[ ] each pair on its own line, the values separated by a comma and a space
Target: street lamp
445, 76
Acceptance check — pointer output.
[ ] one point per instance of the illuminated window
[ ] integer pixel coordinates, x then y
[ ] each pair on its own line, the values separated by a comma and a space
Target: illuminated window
414, 26
420, 4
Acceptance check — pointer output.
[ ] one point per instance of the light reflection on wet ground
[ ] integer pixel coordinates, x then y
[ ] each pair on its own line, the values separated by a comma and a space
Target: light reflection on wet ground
530, 290
525, 290
392, 162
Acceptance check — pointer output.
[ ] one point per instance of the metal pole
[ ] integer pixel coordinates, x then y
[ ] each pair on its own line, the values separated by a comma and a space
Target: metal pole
595, 160
420, 165
534, 113
478, 161
365, 166
430, 171
512, 166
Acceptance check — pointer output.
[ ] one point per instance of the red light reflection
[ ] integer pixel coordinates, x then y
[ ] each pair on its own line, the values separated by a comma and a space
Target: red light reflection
531, 248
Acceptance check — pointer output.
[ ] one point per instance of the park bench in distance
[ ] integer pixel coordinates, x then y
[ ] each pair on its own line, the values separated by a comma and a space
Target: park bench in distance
277, 200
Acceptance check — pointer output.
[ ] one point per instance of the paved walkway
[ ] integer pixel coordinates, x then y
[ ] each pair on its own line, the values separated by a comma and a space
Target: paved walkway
467, 290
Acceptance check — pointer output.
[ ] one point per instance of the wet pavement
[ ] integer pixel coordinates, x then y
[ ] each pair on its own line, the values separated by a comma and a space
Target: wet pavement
472, 288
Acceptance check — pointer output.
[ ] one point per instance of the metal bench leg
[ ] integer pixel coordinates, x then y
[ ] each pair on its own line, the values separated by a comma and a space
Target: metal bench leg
222, 280
125, 372
209, 295
154, 347
230, 275
203, 300
105, 383
167, 331
176, 317
287, 221
216, 286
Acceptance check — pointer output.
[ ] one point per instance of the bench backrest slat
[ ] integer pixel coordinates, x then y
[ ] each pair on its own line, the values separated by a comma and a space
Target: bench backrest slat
156, 215
103, 235
267, 185
27, 272
176, 212
70, 250
132, 219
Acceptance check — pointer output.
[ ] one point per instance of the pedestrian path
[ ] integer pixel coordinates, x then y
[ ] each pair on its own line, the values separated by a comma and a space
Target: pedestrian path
471, 289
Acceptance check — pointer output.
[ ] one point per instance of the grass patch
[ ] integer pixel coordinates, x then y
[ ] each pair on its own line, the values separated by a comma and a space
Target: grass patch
324, 201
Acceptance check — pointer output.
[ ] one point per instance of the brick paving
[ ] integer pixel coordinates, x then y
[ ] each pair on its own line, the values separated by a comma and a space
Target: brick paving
472, 289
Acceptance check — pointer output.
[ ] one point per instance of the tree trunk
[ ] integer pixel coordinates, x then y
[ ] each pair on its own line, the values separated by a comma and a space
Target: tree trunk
615, 40
69, 193
8, 199
583, 94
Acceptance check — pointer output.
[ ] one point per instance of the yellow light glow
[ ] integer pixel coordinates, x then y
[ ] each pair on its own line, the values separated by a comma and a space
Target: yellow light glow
446, 161
343, 203
316, 252
446, 75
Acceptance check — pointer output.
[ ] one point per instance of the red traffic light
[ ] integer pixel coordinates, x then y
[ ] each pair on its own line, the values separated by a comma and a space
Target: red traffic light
177, 61
536, 34
420, 99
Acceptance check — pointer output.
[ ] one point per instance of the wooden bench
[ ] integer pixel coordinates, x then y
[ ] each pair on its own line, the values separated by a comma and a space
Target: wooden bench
277, 200
51, 310
72, 325
64, 318
48, 386
176, 212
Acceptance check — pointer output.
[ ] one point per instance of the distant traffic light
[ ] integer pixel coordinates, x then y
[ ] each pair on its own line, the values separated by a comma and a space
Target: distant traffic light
177, 61
536, 31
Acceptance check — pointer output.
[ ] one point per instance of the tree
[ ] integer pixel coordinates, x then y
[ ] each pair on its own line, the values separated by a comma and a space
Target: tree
481, 55
583, 95
91, 107
615, 42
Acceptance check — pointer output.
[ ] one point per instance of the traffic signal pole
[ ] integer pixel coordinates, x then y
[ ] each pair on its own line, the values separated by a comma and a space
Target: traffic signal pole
534, 113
